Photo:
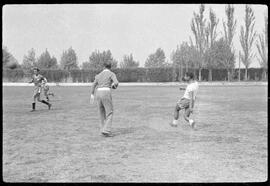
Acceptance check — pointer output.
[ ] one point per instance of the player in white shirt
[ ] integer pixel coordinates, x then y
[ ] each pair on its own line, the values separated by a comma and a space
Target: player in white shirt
187, 101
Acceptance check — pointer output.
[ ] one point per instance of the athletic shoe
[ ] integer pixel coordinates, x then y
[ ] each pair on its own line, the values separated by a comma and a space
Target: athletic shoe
173, 125
107, 134
32, 110
192, 123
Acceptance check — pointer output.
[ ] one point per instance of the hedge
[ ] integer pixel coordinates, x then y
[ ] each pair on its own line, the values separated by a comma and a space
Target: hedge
131, 75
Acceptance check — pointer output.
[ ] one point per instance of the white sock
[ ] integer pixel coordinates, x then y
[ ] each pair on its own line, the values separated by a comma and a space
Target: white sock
175, 122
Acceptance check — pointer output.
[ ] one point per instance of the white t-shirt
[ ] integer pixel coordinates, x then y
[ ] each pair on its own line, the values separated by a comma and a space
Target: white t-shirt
192, 87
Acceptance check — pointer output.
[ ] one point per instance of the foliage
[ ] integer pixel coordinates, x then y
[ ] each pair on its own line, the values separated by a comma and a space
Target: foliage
45, 61
29, 60
129, 62
156, 59
262, 46
97, 59
69, 60
126, 74
198, 24
8, 60
247, 37
230, 26
222, 54
86, 65
211, 35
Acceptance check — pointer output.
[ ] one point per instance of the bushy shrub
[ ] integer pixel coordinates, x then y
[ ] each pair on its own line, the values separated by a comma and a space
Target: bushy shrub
168, 74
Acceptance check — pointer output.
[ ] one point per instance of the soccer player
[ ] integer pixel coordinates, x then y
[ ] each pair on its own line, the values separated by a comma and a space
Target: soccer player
46, 89
187, 101
103, 83
37, 80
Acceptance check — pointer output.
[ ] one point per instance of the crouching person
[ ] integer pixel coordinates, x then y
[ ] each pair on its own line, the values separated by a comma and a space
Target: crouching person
101, 88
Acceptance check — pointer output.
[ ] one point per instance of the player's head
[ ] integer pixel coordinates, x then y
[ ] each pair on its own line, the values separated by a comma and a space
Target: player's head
36, 70
189, 76
107, 65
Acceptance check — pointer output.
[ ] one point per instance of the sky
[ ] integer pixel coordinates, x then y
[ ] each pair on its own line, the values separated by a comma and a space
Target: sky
122, 28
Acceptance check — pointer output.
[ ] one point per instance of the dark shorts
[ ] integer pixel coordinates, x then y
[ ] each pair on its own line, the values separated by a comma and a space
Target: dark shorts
183, 103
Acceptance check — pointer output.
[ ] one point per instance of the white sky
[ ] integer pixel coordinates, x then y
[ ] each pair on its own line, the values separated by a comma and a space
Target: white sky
123, 28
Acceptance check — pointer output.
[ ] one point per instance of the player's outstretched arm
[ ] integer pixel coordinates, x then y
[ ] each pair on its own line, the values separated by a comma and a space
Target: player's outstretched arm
31, 81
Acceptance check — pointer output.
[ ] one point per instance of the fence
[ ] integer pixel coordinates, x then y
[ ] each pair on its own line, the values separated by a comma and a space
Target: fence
131, 75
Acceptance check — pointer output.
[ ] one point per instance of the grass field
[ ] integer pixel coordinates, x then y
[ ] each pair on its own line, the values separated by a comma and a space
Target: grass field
228, 144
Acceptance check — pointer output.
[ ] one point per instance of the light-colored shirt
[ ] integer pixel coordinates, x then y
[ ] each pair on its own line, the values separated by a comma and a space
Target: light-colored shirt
192, 87
37, 80
104, 79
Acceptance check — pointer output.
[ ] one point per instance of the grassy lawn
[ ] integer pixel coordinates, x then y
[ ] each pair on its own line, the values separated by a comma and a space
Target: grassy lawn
229, 143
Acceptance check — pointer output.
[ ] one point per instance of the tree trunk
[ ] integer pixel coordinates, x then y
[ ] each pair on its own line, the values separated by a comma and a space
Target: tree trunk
173, 74
228, 75
246, 74
200, 74
264, 75
239, 75
194, 72
181, 77
179, 74
210, 75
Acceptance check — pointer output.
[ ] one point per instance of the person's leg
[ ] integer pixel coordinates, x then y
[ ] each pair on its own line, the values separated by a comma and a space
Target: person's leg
107, 102
187, 114
101, 110
34, 103
43, 101
176, 114
186, 117
46, 95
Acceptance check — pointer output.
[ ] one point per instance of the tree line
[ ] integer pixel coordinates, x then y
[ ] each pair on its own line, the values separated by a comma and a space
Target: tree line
204, 50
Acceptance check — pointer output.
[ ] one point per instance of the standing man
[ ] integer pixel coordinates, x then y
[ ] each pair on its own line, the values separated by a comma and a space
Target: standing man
187, 101
103, 83
37, 80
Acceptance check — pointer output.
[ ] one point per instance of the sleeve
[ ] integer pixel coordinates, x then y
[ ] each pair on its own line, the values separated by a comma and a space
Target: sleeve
114, 79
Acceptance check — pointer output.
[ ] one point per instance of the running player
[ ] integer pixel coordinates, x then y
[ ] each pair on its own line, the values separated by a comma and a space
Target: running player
37, 80
103, 83
46, 89
187, 101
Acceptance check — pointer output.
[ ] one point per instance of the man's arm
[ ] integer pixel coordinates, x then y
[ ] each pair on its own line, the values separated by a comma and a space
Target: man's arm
115, 81
32, 80
94, 86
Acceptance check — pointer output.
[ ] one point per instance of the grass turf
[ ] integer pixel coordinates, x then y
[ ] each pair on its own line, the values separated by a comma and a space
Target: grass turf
229, 143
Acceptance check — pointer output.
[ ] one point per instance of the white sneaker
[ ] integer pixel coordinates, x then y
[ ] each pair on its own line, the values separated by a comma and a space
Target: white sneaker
174, 123
192, 123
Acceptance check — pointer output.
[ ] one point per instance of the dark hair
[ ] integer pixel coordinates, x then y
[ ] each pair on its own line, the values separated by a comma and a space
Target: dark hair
107, 65
36, 68
190, 75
